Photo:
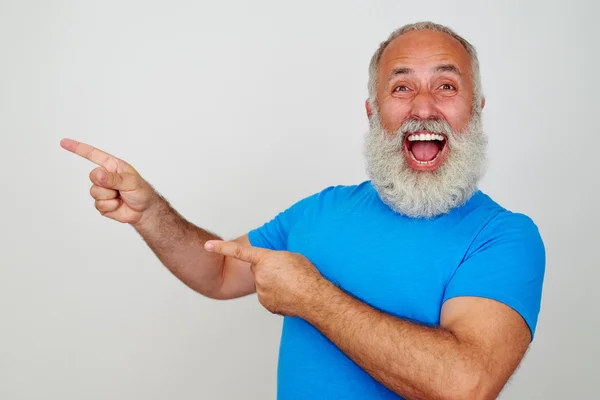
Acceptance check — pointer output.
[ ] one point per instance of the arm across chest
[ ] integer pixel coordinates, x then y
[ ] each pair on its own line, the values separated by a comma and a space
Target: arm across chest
391, 272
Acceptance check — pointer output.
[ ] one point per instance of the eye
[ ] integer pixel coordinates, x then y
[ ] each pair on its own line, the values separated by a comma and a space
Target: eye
401, 89
447, 86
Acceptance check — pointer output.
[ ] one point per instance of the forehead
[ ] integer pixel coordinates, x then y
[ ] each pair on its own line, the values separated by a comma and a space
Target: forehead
422, 50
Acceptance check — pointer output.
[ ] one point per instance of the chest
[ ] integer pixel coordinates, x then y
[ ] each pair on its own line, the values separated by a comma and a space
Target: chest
396, 265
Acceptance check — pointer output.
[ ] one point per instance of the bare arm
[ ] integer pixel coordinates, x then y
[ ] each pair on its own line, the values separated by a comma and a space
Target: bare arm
471, 355
477, 347
123, 195
179, 245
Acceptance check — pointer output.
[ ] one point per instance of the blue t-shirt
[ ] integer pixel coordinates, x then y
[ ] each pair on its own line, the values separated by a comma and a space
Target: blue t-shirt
402, 266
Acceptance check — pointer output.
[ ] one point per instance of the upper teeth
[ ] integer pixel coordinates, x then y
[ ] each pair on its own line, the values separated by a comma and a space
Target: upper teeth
425, 136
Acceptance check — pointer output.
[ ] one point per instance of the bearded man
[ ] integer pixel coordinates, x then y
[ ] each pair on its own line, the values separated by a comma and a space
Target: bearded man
413, 284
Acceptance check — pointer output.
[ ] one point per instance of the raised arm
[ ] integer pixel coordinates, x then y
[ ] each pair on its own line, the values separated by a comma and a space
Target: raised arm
123, 195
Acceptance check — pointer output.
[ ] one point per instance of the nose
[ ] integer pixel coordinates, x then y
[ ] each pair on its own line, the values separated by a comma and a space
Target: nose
423, 106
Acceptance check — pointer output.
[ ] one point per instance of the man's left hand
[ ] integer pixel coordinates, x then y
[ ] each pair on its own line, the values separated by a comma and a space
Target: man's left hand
284, 281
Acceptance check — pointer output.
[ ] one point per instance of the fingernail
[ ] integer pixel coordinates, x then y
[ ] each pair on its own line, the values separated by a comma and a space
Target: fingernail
102, 177
209, 246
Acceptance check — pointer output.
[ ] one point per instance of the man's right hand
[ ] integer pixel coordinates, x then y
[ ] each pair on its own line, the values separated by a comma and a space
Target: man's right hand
119, 191
122, 194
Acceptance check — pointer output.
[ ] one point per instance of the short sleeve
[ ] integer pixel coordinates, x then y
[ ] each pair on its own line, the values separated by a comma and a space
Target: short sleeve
506, 263
273, 234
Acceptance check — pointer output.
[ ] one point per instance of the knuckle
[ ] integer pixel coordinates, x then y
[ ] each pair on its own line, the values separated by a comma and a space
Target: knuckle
262, 278
100, 193
238, 252
134, 180
112, 179
90, 154
111, 194
105, 206
118, 178
112, 164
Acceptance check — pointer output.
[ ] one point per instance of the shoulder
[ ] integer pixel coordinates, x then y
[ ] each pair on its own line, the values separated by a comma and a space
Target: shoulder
337, 194
329, 197
504, 221
508, 229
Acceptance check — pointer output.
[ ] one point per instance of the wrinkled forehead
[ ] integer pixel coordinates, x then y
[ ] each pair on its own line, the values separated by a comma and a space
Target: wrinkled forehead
422, 51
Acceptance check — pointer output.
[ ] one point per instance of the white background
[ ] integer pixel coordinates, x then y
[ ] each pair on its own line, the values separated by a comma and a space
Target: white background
234, 110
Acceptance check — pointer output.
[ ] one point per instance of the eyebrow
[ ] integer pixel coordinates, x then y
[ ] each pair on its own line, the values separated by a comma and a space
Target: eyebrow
440, 68
401, 71
448, 68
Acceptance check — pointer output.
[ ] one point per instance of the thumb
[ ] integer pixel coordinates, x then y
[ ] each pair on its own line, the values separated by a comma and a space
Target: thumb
125, 181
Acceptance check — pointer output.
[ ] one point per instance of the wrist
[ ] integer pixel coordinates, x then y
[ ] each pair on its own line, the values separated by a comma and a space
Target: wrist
315, 298
156, 206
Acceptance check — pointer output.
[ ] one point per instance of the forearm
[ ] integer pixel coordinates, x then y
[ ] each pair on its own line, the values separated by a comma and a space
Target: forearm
179, 245
414, 361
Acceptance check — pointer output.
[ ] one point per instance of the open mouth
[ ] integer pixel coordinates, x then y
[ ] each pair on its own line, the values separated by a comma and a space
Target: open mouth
425, 148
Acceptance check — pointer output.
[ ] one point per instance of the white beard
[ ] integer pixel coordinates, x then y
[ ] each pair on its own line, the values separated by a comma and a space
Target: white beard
423, 194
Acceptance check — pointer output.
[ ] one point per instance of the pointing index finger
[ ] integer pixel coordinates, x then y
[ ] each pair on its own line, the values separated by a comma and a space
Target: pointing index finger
91, 153
249, 254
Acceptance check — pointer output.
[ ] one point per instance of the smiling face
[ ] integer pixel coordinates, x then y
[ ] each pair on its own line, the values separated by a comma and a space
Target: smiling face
425, 149
425, 75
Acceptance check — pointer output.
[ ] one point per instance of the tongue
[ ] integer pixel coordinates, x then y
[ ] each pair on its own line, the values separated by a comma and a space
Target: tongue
425, 150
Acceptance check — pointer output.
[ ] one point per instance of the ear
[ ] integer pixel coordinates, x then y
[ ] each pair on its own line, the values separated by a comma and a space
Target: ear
482, 103
369, 109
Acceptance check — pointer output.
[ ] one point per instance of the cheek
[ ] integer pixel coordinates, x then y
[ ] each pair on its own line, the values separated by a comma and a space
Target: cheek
392, 114
457, 114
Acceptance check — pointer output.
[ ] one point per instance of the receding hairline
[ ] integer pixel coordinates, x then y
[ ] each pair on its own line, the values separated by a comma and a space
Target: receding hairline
425, 26
463, 44
455, 42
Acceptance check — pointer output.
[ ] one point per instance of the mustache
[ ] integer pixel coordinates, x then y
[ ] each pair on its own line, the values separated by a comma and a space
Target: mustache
433, 125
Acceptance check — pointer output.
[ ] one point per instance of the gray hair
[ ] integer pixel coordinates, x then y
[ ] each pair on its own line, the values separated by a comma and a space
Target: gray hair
426, 26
